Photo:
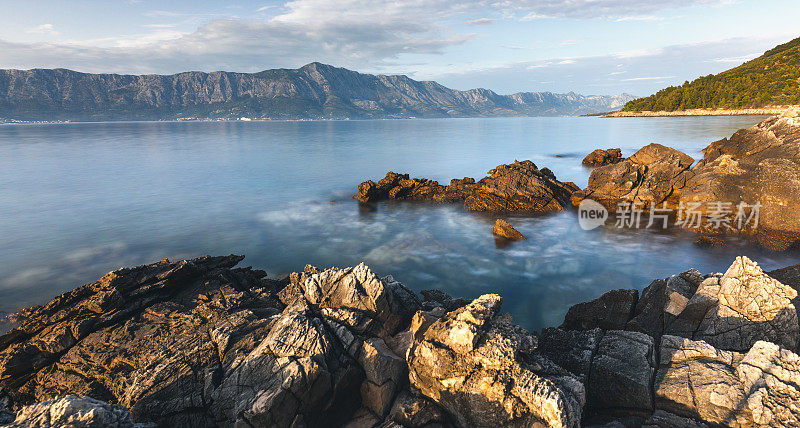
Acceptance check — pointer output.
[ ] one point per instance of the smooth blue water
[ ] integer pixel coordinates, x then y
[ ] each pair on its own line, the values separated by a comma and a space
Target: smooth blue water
79, 200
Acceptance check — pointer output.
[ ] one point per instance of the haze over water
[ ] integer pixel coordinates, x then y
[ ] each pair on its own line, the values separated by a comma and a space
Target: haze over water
79, 200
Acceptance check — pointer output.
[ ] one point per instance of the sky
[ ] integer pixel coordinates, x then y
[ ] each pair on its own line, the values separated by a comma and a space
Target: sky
586, 46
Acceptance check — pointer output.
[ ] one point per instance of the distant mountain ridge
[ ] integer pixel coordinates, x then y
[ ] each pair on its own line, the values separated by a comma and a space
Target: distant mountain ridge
773, 79
314, 91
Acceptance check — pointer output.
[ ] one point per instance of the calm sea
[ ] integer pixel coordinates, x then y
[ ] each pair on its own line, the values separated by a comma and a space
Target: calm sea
79, 200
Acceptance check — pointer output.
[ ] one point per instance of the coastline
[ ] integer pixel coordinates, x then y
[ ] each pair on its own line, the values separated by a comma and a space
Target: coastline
762, 111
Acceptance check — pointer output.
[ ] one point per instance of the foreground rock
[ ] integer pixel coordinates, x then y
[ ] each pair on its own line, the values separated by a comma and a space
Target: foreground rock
693, 350
517, 187
482, 370
202, 343
602, 157
504, 230
760, 164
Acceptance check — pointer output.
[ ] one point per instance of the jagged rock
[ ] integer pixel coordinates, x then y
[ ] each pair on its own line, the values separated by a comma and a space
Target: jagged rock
749, 306
385, 373
434, 298
622, 372
479, 367
504, 230
759, 388
200, 343
73, 411
611, 311
601, 157
517, 187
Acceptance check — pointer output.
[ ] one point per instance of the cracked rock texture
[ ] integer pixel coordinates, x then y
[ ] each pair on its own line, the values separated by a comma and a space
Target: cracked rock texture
517, 187
697, 350
758, 164
203, 343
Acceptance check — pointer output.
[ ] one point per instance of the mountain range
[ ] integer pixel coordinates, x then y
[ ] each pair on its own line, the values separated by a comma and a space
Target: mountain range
314, 91
772, 79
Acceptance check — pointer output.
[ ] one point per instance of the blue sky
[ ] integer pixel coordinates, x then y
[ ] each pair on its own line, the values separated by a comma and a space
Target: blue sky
587, 46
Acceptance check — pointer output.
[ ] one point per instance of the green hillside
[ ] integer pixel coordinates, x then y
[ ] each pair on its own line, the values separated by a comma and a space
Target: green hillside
771, 79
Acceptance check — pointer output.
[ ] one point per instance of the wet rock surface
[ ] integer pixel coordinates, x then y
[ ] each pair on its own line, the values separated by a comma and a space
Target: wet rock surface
760, 164
516, 187
602, 157
203, 343
503, 230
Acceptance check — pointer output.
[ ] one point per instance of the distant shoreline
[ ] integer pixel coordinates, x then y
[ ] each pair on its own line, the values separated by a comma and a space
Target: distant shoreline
762, 111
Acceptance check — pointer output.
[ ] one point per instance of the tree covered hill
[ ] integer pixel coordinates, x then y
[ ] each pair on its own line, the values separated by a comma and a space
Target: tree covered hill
772, 79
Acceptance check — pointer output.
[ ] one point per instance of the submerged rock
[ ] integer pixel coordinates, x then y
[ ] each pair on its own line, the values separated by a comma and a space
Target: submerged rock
504, 230
601, 157
516, 187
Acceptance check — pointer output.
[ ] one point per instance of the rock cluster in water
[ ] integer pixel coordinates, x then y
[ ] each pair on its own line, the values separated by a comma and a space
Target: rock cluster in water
516, 187
602, 157
760, 164
202, 343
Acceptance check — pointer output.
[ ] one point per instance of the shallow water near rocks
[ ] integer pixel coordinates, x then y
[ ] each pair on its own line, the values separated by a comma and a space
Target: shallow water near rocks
79, 200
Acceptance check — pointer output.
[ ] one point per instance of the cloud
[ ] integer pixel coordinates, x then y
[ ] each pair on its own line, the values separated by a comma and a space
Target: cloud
43, 29
480, 21
639, 72
343, 33
527, 10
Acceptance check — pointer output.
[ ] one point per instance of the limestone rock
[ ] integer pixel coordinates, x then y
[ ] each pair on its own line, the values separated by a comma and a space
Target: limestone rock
662, 301
750, 306
504, 230
479, 367
73, 411
601, 157
759, 388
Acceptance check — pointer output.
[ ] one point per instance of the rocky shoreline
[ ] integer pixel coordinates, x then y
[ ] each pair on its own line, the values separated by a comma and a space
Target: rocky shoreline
757, 167
203, 343
762, 111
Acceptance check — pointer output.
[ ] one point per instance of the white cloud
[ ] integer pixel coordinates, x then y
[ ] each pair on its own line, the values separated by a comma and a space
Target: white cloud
43, 29
588, 9
480, 21
637, 79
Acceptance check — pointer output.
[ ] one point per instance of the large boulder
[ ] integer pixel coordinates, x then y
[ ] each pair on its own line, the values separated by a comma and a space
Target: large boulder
611, 311
481, 369
516, 187
758, 388
621, 373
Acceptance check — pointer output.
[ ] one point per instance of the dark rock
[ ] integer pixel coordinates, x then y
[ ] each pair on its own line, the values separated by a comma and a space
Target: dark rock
621, 373
611, 311
504, 230
517, 187
573, 350
707, 241
662, 301
602, 157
